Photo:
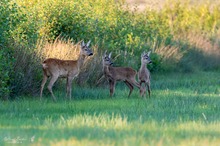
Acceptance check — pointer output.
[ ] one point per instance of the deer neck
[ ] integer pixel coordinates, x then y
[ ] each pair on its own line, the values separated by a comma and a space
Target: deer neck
106, 70
108, 74
80, 61
143, 65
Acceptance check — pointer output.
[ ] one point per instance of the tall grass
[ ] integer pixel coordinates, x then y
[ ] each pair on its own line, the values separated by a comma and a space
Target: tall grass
68, 50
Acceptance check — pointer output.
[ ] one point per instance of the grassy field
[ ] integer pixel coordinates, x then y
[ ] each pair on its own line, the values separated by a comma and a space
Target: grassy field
184, 110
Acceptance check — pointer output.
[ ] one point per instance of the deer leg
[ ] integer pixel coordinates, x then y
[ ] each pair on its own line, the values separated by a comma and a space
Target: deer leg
130, 86
42, 85
50, 85
134, 83
144, 89
141, 89
69, 87
148, 88
112, 87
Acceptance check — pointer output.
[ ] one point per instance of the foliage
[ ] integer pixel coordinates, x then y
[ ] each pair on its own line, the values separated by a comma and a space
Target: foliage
111, 26
4, 78
6, 58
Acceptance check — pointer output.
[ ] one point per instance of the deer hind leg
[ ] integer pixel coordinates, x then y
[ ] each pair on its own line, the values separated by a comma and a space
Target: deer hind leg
134, 83
130, 86
42, 85
112, 87
50, 85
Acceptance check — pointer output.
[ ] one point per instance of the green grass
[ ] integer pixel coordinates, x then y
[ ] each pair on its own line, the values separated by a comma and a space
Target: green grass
184, 110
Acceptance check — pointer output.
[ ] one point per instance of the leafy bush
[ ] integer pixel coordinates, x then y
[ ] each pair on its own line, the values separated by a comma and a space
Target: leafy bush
6, 59
5, 67
110, 26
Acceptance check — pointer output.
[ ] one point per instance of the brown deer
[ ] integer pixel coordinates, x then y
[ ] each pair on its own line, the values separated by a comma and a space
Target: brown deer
114, 74
68, 69
144, 73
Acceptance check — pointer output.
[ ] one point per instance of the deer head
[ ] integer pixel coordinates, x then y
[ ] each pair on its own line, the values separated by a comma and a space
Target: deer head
107, 59
145, 57
85, 50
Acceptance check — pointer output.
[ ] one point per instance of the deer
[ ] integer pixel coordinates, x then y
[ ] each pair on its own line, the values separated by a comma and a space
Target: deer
69, 69
114, 74
144, 73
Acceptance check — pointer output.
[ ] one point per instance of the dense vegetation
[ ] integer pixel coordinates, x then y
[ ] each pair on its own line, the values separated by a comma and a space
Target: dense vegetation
182, 37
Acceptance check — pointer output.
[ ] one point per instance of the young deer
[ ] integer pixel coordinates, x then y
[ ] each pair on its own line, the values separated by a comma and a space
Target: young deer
144, 73
114, 74
68, 69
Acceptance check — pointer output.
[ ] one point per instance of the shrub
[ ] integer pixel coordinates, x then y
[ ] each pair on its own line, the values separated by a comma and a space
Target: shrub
177, 35
6, 59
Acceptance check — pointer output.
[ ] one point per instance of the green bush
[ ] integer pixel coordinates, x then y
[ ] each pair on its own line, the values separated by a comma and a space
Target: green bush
4, 78
110, 25
5, 53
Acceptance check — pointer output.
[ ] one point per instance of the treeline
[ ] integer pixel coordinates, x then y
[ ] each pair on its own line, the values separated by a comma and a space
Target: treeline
182, 37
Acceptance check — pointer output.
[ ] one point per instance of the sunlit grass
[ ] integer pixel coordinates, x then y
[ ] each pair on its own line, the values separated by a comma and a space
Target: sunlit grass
184, 110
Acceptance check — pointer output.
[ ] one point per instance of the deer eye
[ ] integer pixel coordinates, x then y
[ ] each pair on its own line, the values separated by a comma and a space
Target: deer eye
146, 57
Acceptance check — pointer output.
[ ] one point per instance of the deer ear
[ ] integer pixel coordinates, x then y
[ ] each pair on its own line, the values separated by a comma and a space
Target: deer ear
143, 54
110, 54
82, 44
105, 53
88, 43
148, 54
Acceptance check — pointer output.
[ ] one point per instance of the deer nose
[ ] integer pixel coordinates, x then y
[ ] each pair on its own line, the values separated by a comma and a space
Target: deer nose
111, 63
90, 54
150, 61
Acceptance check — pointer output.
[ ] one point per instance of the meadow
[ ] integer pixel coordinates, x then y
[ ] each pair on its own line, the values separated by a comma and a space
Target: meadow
183, 110
184, 37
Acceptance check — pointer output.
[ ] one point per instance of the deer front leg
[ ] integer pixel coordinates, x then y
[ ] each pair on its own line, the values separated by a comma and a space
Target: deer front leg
69, 87
142, 88
112, 87
52, 81
148, 89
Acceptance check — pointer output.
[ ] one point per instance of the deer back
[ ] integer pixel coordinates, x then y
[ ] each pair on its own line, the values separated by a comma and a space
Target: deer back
120, 73
57, 67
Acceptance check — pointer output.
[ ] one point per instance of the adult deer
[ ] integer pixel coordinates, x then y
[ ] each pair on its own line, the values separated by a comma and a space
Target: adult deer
144, 73
114, 74
68, 69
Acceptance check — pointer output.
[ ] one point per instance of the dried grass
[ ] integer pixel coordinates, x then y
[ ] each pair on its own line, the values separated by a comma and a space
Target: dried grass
66, 50
60, 48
